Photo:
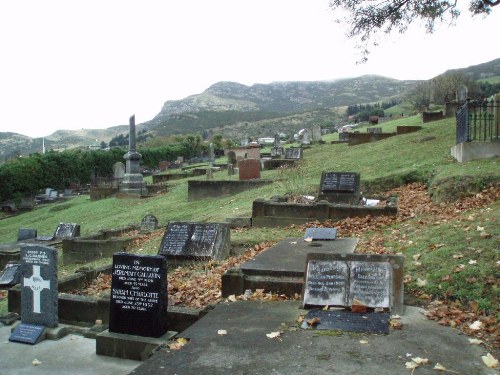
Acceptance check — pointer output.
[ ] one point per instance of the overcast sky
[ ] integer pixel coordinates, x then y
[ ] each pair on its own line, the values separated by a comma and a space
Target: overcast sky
92, 64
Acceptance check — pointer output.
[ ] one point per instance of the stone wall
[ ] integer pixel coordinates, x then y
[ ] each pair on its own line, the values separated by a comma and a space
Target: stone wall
215, 189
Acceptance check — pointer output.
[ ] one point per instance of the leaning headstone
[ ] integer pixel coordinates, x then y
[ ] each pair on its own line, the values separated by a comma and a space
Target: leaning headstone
67, 230
320, 234
149, 223
340, 187
195, 241
39, 307
293, 153
26, 234
11, 275
138, 304
249, 169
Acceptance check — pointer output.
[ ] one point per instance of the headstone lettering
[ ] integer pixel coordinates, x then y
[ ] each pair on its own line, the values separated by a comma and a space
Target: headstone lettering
138, 303
11, 275
67, 230
370, 283
333, 181
149, 223
27, 333
326, 283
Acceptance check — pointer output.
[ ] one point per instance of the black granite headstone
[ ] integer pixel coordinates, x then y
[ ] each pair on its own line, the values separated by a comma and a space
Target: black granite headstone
39, 285
149, 223
321, 234
138, 295
340, 182
27, 334
26, 234
342, 320
67, 230
195, 241
11, 275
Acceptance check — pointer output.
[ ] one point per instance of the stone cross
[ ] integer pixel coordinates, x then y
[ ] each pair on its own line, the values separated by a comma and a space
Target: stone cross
36, 283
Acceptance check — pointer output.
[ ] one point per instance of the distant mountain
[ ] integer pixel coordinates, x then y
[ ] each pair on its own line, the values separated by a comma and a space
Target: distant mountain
227, 103
481, 71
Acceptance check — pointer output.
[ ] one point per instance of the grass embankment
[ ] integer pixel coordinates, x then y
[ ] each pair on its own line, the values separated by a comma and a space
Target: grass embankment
432, 246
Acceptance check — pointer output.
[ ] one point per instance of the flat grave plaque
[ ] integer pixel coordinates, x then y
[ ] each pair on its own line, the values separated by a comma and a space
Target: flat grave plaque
340, 182
203, 239
11, 275
326, 283
138, 304
320, 234
342, 320
67, 230
27, 334
370, 283
175, 239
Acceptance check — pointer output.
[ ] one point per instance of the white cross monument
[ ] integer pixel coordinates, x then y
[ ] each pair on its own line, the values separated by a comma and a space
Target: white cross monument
36, 284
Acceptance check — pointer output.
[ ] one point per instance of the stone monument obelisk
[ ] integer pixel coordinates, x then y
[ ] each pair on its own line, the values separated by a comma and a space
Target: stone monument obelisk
133, 181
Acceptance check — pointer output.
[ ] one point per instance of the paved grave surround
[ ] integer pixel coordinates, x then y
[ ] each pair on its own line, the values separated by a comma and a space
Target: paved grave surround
138, 303
39, 286
339, 279
281, 267
195, 241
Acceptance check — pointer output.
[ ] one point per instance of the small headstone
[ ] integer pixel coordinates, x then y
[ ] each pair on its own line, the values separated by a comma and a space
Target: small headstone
249, 169
39, 285
149, 223
138, 304
374, 130
343, 137
163, 165
53, 194
244, 140
306, 137
26, 234
277, 141
326, 283
11, 275
316, 133
293, 153
276, 151
118, 170
67, 230
195, 241
370, 283
320, 234
68, 192
230, 169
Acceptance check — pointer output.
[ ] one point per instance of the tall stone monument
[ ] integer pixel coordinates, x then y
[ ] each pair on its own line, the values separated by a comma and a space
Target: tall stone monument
133, 181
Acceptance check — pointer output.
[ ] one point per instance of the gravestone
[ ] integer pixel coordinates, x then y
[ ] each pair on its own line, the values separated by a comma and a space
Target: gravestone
374, 130
138, 304
340, 187
276, 151
26, 234
249, 169
293, 153
149, 223
316, 133
306, 137
230, 170
67, 230
39, 286
11, 275
231, 157
118, 170
277, 140
374, 281
133, 182
195, 241
320, 234
344, 137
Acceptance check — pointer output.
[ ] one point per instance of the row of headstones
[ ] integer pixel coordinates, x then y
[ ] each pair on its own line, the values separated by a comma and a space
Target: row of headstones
63, 230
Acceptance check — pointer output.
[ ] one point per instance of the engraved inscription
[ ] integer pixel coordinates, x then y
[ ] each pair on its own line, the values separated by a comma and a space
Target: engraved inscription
333, 181
176, 238
203, 239
371, 283
326, 283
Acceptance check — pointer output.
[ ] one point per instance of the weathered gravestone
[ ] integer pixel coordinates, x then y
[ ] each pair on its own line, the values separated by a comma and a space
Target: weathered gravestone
138, 303
340, 187
320, 234
353, 280
149, 223
231, 158
249, 169
293, 153
344, 137
39, 307
316, 133
277, 151
195, 241
118, 170
26, 234
67, 230
11, 275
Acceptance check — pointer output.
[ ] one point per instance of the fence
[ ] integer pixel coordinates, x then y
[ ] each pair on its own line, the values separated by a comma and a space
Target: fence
479, 121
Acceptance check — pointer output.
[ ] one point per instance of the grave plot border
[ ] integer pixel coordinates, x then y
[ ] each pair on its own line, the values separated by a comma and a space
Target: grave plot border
198, 189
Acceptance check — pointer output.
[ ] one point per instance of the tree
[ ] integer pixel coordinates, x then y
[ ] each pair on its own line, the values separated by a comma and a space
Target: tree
366, 18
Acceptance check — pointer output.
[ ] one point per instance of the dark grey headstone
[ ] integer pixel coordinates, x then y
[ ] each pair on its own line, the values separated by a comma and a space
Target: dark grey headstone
67, 230
27, 334
11, 275
340, 182
149, 223
344, 137
293, 153
321, 234
138, 303
371, 283
342, 320
277, 151
26, 234
39, 285
196, 241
